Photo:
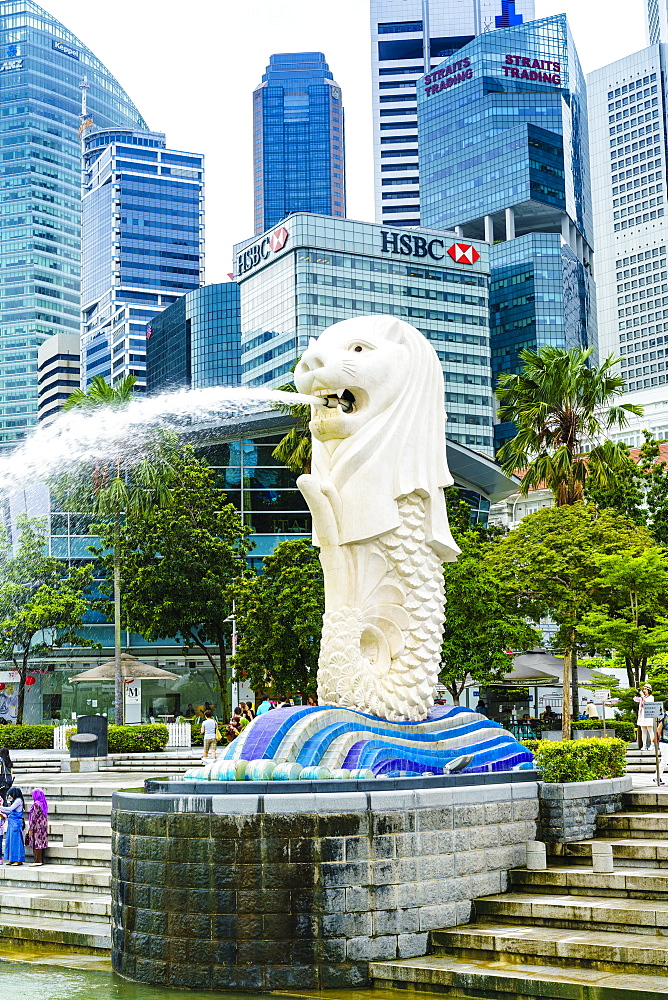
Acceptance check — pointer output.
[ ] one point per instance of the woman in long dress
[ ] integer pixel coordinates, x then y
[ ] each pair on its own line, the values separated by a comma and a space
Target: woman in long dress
645, 726
37, 836
15, 853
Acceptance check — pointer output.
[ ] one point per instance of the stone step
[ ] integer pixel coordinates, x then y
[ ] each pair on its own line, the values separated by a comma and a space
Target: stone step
629, 852
83, 854
650, 800
636, 916
633, 825
612, 951
86, 832
69, 810
73, 790
38, 903
508, 981
628, 883
640, 769
82, 935
62, 878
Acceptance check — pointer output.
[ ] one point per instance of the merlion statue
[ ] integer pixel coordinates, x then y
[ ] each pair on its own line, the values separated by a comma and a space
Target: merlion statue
379, 517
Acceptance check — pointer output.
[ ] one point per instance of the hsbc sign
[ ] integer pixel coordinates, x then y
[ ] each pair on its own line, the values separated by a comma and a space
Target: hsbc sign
434, 248
262, 250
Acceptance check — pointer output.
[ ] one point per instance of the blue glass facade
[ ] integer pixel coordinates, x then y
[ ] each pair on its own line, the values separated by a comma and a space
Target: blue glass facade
41, 67
142, 244
196, 341
298, 140
504, 157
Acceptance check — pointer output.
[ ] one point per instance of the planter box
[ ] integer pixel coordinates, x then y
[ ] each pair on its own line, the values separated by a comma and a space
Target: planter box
552, 734
590, 734
568, 810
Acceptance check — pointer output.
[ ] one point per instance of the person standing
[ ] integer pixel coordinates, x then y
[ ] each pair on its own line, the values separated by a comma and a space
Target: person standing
15, 852
645, 726
209, 734
591, 710
37, 836
6, 779
264, 706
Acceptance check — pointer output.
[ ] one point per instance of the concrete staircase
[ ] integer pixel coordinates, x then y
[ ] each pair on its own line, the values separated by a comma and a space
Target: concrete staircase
640, 761
567, 932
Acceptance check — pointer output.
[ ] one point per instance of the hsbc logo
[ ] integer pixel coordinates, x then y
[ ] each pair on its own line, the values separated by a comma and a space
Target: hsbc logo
262, 250
413, 245
463, 253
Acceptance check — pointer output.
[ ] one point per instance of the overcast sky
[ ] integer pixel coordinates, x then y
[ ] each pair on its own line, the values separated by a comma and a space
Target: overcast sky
191, 69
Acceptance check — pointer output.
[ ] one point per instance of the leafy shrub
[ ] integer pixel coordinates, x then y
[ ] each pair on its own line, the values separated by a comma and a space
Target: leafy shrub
26, 737
138, 739
580, 760
530, 744
196, 739
623, 729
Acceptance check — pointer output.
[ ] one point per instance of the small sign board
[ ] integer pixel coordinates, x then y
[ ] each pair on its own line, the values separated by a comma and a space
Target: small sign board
653, 710
601, 696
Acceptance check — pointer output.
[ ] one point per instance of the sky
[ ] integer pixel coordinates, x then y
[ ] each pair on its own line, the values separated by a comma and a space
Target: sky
193, 78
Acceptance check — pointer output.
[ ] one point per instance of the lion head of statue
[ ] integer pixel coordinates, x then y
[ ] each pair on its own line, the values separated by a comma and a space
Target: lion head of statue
379, 430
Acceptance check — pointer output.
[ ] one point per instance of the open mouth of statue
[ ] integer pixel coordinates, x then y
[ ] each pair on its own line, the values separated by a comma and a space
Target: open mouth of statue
344, 400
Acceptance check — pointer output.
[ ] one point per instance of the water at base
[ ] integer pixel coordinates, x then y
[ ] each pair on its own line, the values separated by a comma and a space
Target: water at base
54, 982
121, 433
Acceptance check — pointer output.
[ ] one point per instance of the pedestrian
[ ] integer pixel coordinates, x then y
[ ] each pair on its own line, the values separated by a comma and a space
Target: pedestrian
210, 733
250, 710
591, 710
645, 697
6, 779
15, 853
481, 708
264, 706
37, 836
661, 739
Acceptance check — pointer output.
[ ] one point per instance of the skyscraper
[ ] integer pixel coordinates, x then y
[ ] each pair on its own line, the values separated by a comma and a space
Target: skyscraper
298, 140
408, 37
504, 157
628, 162
41, 67
143, 244
196, 341
656, 14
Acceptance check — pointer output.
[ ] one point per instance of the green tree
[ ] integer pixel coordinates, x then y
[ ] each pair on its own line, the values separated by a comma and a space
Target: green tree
632, 592
559, 403
625, 494
110, 488
280, 614
549, 566
42, 603
294, 448
181, 561
654, 472
479, 625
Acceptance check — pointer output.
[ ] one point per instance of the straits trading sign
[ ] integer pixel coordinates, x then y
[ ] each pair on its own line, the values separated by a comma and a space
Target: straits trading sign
262, 250
514, 66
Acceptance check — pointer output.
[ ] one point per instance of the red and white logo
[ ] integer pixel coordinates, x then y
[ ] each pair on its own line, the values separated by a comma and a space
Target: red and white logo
463, 253
278, 239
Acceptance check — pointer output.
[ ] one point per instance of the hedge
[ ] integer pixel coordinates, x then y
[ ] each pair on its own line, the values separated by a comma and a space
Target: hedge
579, 760
26, 737
624, 729
138, 739
196, 739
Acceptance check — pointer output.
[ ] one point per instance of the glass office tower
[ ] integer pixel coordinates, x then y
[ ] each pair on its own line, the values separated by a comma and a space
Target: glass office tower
628, 161
41, 67
196, 341
142, 241
504, 157
408, 37
298, 140
314, 271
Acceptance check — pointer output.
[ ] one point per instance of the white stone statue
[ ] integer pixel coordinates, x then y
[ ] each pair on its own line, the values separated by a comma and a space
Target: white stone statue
379, 517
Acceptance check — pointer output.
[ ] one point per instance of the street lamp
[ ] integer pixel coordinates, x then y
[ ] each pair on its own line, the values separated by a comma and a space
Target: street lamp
233, 618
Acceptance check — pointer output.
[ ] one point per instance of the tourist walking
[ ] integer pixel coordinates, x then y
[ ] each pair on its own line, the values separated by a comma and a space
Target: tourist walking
37, 836
15, 853
645, 697
661, 739
6, 779
210, 734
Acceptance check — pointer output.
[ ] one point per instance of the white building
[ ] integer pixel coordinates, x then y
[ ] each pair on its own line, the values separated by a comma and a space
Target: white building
656, 16
627, 115
408, 37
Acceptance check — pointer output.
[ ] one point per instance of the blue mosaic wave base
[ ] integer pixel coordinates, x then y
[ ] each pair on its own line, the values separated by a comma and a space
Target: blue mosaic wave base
341, 738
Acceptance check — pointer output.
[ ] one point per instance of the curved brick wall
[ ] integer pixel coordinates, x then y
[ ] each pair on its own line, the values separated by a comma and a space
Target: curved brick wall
279, 891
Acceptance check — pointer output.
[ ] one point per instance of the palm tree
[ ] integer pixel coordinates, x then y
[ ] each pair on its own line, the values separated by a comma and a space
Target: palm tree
111, 489
294, 450
560, 403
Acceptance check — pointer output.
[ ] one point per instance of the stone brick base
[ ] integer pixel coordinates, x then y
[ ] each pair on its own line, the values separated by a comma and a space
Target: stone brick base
279, 891
568, 811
